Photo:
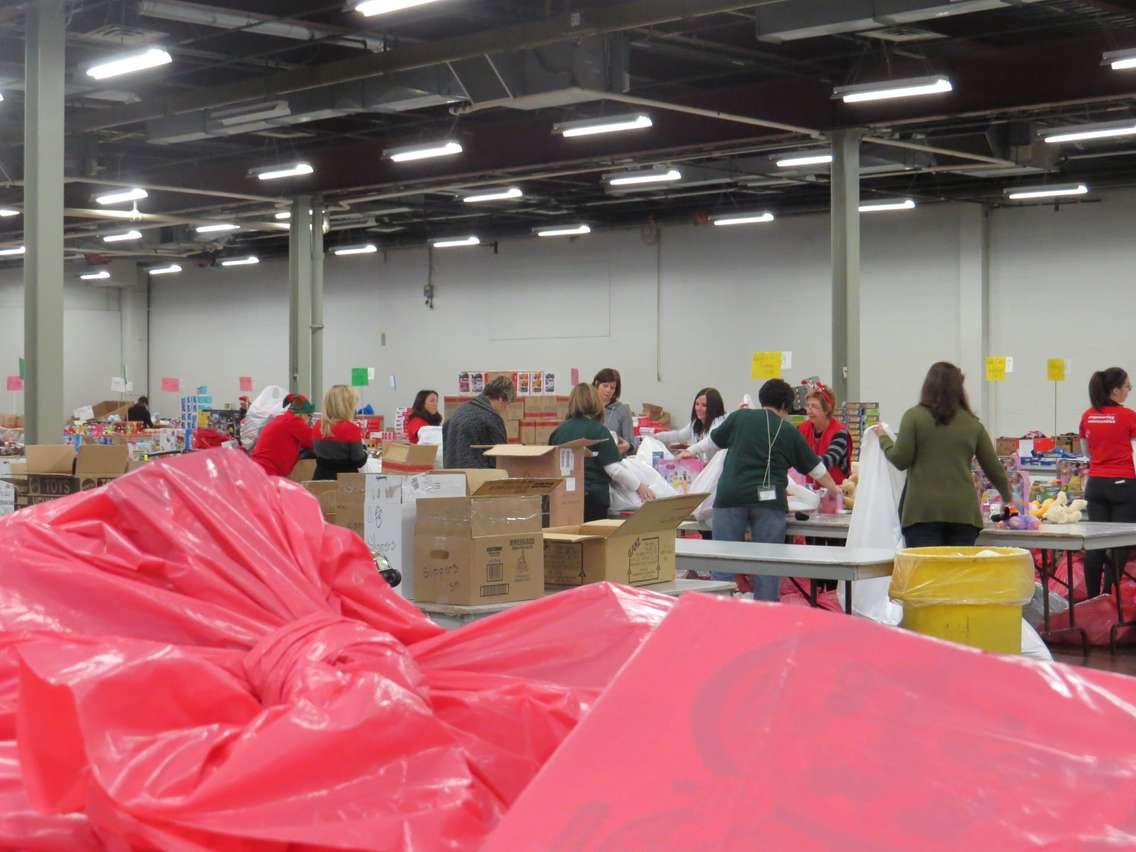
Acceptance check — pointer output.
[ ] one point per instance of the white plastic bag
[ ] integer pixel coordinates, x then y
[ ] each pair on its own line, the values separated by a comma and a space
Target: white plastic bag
267, 405
802, 499
431, 436
875, 523
648, 446
707, 483
623, 500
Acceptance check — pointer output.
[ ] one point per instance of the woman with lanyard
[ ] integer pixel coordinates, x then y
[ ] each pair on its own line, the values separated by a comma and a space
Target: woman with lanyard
751, 492
827, 436
1109, 428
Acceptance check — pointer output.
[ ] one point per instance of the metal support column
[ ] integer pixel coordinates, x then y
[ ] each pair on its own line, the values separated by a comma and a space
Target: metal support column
317, 302
44, 65
846, 360
300, 303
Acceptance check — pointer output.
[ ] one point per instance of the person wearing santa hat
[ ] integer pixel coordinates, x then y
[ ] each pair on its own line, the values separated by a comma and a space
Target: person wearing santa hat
286, 436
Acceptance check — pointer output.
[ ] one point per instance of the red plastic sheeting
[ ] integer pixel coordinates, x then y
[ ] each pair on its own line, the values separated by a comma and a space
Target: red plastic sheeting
745, 726
192, 660
1097, 617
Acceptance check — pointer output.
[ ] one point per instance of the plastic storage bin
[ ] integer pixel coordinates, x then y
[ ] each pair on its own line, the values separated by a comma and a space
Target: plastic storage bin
970, 595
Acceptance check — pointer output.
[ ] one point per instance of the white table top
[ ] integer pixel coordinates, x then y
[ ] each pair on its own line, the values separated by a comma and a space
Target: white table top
821, 526
785, 560
1083, 536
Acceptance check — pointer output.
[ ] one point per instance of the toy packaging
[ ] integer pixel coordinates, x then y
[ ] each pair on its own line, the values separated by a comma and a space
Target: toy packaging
679, 473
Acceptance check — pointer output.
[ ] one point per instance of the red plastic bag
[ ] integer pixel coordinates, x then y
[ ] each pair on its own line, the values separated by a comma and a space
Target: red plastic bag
278, 692
1096, 617
787, 728
209, 439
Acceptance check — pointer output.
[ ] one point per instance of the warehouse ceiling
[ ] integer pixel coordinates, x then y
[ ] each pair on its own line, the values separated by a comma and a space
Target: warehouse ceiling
731, 90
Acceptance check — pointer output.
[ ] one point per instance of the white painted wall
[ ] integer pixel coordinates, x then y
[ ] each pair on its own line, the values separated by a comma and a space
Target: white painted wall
97, 345
696, 305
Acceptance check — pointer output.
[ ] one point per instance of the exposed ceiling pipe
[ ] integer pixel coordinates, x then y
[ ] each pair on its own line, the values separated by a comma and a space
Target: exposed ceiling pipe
229, 19
185, 190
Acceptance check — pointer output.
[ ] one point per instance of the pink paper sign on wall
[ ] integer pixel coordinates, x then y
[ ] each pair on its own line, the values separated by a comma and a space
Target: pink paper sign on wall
170, 385
15, 383
246, 384
575, 376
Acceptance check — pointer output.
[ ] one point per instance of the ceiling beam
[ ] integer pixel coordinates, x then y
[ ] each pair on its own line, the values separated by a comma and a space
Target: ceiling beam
585, 23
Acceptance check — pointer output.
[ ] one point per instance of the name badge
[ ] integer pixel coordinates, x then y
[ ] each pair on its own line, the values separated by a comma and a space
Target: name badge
767, 495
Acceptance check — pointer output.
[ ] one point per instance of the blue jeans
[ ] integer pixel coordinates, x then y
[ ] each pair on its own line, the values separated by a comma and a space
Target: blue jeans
766, 524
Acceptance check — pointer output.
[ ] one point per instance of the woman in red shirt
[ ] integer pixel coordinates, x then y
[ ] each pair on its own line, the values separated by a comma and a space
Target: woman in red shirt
286, 436
423, 413
827, 436
1109, 428
338, 440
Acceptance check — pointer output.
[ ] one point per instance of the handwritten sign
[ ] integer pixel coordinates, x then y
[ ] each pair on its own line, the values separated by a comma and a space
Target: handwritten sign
766, 365
382, 517
997, 367
1056, 369
171, 385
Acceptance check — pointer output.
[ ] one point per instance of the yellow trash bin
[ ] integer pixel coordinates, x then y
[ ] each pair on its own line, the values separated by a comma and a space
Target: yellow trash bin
970, 595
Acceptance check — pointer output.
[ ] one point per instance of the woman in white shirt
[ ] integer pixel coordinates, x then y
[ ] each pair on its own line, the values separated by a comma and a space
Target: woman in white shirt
708, 413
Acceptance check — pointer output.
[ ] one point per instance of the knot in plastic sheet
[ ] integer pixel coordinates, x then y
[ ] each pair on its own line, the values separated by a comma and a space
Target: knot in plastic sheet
323, 649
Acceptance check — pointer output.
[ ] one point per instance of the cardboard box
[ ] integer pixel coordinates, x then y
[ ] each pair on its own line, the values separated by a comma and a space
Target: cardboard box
1071, 443
50, 470
636, 552
117, 407
538, 432
97, 465
562, 408
1007, 446
484, 548
513, 430
327, 492
399, 457
540, 406
515, 411
304, 471
565, 505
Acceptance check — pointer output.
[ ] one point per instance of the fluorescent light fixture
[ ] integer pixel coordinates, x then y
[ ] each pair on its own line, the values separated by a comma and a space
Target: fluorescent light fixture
1, 98
608, 124
124, 237
251, 260
1057, 190
660, 175
1120, 60
12, 252
467, 241
410, 153
727, 219
509, 194
218, 228
121, 196
884, 206
796, 160
172, 269
1086, 132
128, 64
347, 251
284, 215
890, 89
101, 275
574, 231
278, 172
370, 8
7, 212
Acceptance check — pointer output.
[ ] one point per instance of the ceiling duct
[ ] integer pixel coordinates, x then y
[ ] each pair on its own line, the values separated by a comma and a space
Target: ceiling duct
199, 14
402, 92
557, 75
802, 19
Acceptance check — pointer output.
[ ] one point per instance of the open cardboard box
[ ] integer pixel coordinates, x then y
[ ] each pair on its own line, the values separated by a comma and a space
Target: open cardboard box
566, 502
637, 551
400, 457
483, 548
53, 470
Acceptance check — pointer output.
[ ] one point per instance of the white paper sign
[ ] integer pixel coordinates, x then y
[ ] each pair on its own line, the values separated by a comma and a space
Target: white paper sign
84, 413
1009, 364
786, 360
567, 462
118, 385
382, 517
7, 498
371, 374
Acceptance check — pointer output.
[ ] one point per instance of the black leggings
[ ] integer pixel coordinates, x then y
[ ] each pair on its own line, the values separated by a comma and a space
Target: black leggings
940, 535
1110, 500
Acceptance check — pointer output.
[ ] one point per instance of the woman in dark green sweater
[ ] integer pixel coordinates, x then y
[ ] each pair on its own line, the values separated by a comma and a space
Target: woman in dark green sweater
937, 441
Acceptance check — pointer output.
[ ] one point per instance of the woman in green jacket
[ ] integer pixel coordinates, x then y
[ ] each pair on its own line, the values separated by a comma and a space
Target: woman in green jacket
937, 441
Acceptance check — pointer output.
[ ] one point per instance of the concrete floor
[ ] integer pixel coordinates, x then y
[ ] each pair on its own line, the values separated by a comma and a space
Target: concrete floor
1099, 658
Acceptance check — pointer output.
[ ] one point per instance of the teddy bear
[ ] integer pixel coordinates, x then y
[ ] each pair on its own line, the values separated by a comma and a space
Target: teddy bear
1064, 512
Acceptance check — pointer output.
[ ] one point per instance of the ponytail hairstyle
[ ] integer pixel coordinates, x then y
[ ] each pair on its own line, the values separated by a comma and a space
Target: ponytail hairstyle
1103, 383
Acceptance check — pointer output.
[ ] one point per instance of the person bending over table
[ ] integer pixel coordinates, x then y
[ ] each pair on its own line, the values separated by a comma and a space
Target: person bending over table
1109, 428
751, 492
938, 439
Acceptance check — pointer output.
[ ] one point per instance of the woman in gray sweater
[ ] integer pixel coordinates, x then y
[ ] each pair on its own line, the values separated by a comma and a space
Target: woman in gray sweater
617, 416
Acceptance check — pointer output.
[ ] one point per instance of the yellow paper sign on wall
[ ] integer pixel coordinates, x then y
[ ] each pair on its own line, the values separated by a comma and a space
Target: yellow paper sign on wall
766, 365
1055, 369
996, 368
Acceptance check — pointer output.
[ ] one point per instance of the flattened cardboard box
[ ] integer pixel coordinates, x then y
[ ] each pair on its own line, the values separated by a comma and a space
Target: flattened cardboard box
566, 502
486, 548
639, 551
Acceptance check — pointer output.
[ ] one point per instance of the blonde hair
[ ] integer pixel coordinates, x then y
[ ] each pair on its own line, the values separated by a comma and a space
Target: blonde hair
584, 402
338, 406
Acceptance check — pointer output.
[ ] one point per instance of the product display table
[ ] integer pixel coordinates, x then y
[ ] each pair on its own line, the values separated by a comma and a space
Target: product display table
451, 616
830, 527
1054, 539
786, 560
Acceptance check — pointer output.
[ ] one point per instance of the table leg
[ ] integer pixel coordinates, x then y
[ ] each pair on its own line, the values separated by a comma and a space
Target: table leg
1052, 560
813, 593
1121, 624
848, 597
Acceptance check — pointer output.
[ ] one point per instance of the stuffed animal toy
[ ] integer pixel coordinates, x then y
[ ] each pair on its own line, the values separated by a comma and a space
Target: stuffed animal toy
1063, 512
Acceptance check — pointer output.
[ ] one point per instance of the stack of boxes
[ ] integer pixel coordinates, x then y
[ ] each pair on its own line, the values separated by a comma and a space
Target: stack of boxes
541, 416
190, 406
859, 417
